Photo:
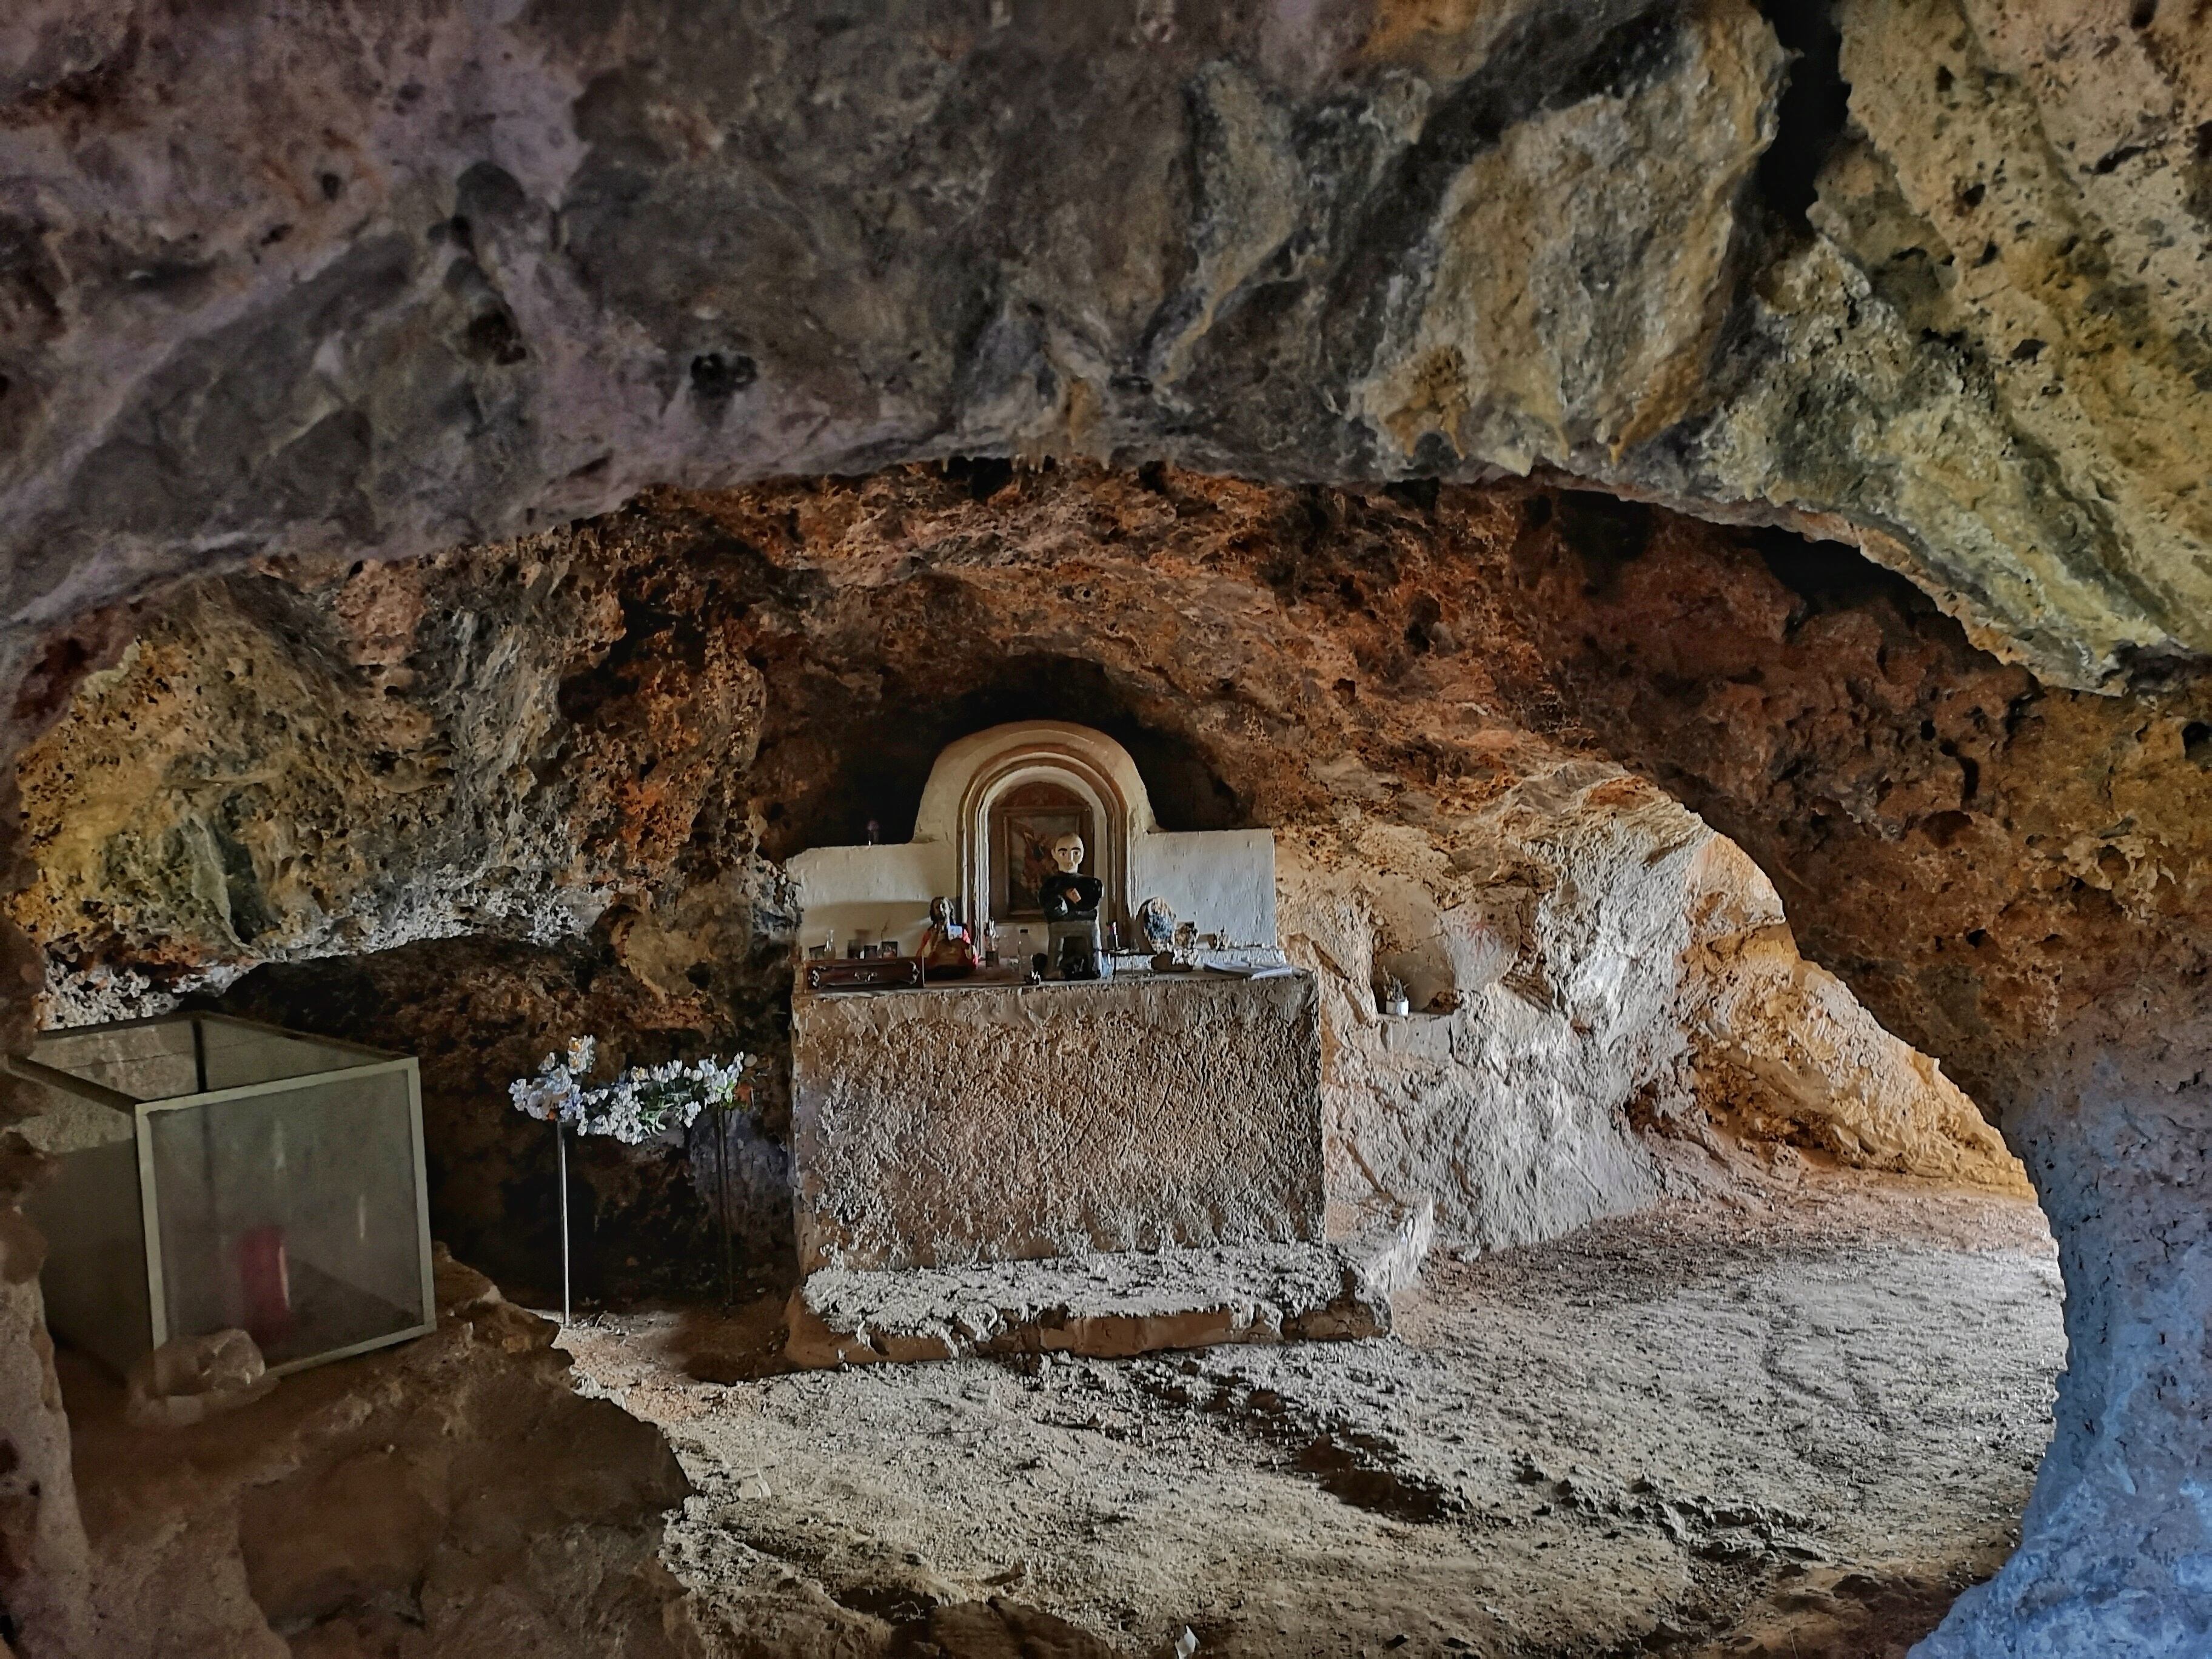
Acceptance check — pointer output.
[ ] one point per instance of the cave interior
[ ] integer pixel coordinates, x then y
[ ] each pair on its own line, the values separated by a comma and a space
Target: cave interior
1155, 829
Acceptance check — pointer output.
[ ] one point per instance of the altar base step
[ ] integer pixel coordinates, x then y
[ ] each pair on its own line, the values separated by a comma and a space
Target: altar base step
1103, 1306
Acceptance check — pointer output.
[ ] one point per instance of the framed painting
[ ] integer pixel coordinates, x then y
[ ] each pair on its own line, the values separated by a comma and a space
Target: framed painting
1025, 825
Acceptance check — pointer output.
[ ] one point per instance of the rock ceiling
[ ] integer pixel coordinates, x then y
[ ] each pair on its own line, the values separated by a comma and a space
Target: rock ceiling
393, 278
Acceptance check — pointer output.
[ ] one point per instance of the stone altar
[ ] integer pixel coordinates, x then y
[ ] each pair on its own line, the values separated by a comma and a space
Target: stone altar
1001, 1122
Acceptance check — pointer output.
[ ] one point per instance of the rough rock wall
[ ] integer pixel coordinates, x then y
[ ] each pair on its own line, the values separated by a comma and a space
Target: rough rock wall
46, 1565
44, 1560
1604, 966
453, 1497
352, 760
2116, 1547
386, 280
719, 680
1781, 1051
2017, 879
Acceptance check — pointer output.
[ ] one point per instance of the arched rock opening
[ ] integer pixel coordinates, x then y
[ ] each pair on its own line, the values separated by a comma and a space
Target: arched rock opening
584, 752
881, 748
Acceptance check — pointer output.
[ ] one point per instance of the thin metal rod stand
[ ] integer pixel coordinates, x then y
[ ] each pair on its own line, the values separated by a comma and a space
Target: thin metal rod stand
560, 1151
722, 1207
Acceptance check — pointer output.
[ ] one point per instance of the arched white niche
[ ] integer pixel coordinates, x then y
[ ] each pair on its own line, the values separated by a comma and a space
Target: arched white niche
1222, 882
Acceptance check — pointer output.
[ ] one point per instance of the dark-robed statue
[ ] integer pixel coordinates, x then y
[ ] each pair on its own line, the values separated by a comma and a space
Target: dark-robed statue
1071, 914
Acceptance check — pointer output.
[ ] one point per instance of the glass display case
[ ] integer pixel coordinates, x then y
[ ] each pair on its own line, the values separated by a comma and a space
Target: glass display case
218, 1173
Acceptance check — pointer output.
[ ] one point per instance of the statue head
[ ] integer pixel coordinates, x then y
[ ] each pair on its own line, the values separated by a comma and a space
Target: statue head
1067, 853
940, 910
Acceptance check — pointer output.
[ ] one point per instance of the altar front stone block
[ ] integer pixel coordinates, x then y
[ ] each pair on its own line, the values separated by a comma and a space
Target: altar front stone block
1010, 1122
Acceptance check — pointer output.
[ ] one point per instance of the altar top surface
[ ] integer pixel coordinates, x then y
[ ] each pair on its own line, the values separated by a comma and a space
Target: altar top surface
1123, 977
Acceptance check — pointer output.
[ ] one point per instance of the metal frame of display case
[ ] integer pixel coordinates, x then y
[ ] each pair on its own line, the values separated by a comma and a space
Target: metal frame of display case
378, 1062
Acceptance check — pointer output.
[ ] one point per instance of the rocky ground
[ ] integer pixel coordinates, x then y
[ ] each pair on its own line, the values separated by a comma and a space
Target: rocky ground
1795, 1421
451, 1497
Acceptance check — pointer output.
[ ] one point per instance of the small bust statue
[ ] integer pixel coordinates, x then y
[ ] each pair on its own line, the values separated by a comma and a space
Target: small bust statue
1071, 912
948, 947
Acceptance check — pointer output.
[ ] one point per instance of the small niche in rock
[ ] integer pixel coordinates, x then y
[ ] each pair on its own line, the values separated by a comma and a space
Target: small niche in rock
1814, 110
882, 749
985, 475
1832, 575
717, 376
1605, 532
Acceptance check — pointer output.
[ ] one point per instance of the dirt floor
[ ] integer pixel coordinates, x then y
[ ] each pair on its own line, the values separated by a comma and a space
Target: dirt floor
1794, 1424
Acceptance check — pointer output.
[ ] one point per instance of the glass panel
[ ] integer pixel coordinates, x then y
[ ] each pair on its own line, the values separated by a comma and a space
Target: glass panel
161, 1061
67, 1123
147, 1062
94, 1279
291, 1214
240, 1054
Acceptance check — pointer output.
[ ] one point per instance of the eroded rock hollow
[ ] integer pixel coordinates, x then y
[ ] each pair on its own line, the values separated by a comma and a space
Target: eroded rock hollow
506, 784
1686, 522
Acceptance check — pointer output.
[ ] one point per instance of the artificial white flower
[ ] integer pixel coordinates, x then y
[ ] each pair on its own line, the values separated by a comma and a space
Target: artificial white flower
645, 1102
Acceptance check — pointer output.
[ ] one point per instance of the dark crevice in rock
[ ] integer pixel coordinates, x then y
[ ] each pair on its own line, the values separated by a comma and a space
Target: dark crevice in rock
716, 375
1833, 575
29, 276
1814, 109
1605, 532
984, 475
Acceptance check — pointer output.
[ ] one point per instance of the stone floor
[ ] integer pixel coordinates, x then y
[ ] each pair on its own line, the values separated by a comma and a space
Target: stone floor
1792, 1423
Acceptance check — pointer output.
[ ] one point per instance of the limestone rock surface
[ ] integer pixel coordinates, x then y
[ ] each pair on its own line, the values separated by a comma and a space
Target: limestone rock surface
995, 1122
376, 283
1103, 1306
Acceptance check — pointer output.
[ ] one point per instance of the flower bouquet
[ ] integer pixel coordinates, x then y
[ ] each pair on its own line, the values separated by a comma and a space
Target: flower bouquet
642, 1105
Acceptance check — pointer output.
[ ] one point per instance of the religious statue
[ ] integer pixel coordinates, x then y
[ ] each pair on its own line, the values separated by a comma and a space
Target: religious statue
1071, 912
948, 945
